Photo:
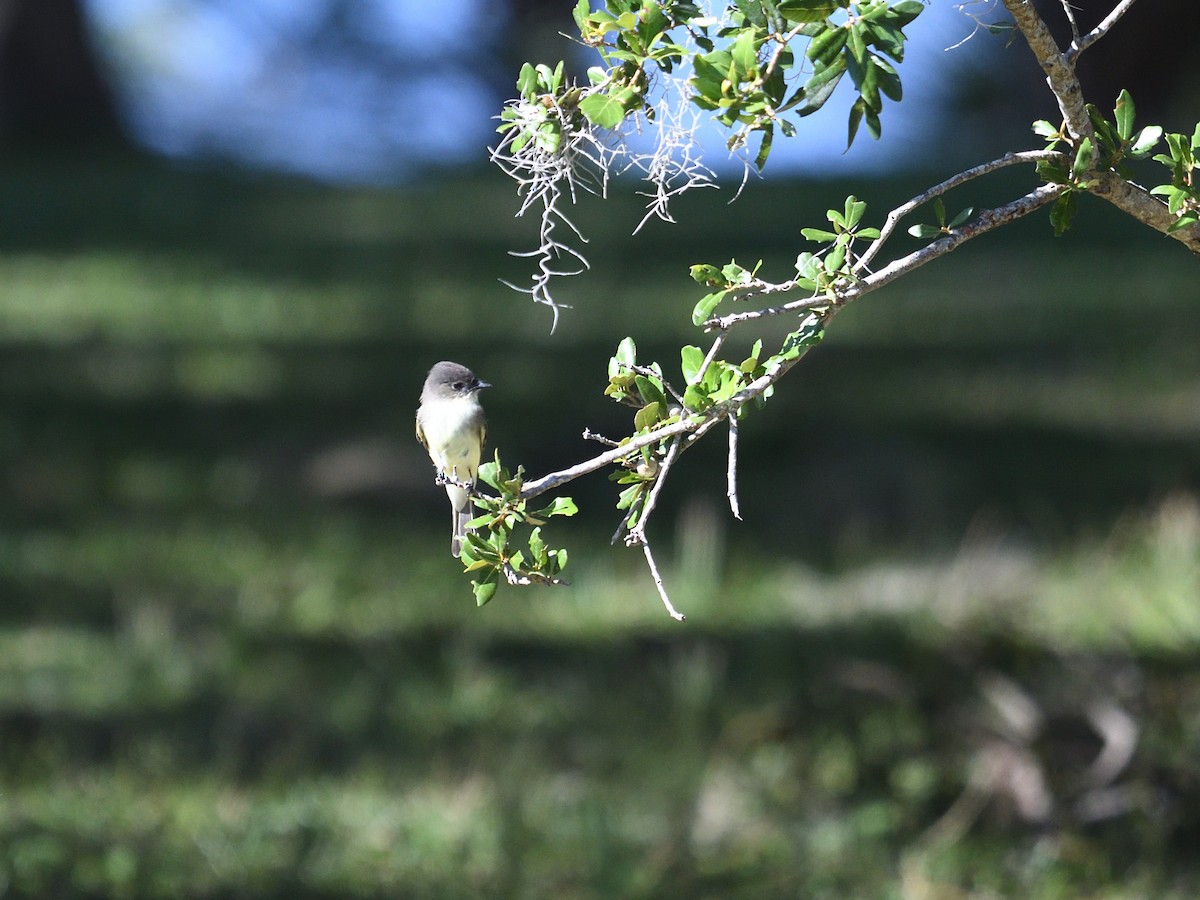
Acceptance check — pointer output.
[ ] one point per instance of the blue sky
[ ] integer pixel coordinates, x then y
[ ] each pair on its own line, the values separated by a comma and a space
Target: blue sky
239, 80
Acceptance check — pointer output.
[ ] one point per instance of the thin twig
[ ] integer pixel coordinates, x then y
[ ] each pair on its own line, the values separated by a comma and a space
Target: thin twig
710, 356
1082, 43
1059, 73
589, 435
1070, 14
894, 217
658, 583
731, 473
651, 373
554, 479
637, 534
981, 224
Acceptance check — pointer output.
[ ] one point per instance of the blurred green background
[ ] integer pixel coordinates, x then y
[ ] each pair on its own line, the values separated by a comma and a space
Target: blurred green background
952, 651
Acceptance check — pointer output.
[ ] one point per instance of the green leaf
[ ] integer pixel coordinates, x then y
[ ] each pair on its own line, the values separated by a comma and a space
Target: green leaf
745, 53
627, 352
602, 110
753, 13
888, 38
807, 10
889, 79
856, 114
835, 259
874, 128
491, 473
962, 217
925, 232
820, 87
561, 506
695, 398
709, 276
906, 10
798, 342
527, 81
1124, 113
828, 44
1044, 129
648, 416
1145, 141
704, 309
486, 589
1062, 212
818, 235
580, 13
1083, 159
1183, 222
856, 45
691, 359
764, 147
650, 389
854, 211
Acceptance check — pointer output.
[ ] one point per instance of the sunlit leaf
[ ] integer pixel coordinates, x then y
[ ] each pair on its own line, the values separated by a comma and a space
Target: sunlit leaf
602, 110
691, 359
807, 10
1124, 113
1145, 141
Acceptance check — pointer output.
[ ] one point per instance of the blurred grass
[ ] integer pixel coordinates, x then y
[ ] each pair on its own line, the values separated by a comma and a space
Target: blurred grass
236, 659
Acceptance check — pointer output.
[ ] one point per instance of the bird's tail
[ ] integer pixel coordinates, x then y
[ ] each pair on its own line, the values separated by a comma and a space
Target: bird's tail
459, 519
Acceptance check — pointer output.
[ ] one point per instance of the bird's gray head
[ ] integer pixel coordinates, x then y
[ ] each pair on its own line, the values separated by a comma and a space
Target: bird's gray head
449, 380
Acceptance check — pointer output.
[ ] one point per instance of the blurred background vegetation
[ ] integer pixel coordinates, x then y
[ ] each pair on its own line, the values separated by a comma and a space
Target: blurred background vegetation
952, 651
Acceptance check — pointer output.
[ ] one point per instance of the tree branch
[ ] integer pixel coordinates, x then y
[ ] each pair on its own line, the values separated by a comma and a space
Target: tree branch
986, 221
1142, 205
1082, 43
549, 482
894, 217
1060, 74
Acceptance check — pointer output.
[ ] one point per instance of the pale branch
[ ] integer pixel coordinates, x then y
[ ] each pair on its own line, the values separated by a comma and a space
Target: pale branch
731, 472
549, 482
1060, 74
589, 435
783, 41
637, 534
1082, 43
658, 583
693, 425
1142, 205
718, 341
894, 217
517, 579
1069, 12
986, 221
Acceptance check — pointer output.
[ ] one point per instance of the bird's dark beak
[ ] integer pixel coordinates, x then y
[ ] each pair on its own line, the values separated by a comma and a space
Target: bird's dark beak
480, 385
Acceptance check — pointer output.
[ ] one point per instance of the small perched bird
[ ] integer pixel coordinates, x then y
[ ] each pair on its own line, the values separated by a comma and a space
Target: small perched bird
452, 427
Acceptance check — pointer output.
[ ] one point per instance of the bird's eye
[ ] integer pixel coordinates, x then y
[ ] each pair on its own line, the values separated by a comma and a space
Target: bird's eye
458, 385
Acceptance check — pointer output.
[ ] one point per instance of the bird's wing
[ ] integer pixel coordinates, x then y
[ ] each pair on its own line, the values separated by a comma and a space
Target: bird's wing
421, 434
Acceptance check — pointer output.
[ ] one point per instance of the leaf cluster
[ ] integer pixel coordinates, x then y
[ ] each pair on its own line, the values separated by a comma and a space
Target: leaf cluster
750, 75
818, 273
942, 226
1182, 194
1112, 145
491, 550
744, 67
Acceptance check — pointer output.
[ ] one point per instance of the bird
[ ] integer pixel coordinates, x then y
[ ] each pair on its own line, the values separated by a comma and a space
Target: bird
452, 428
